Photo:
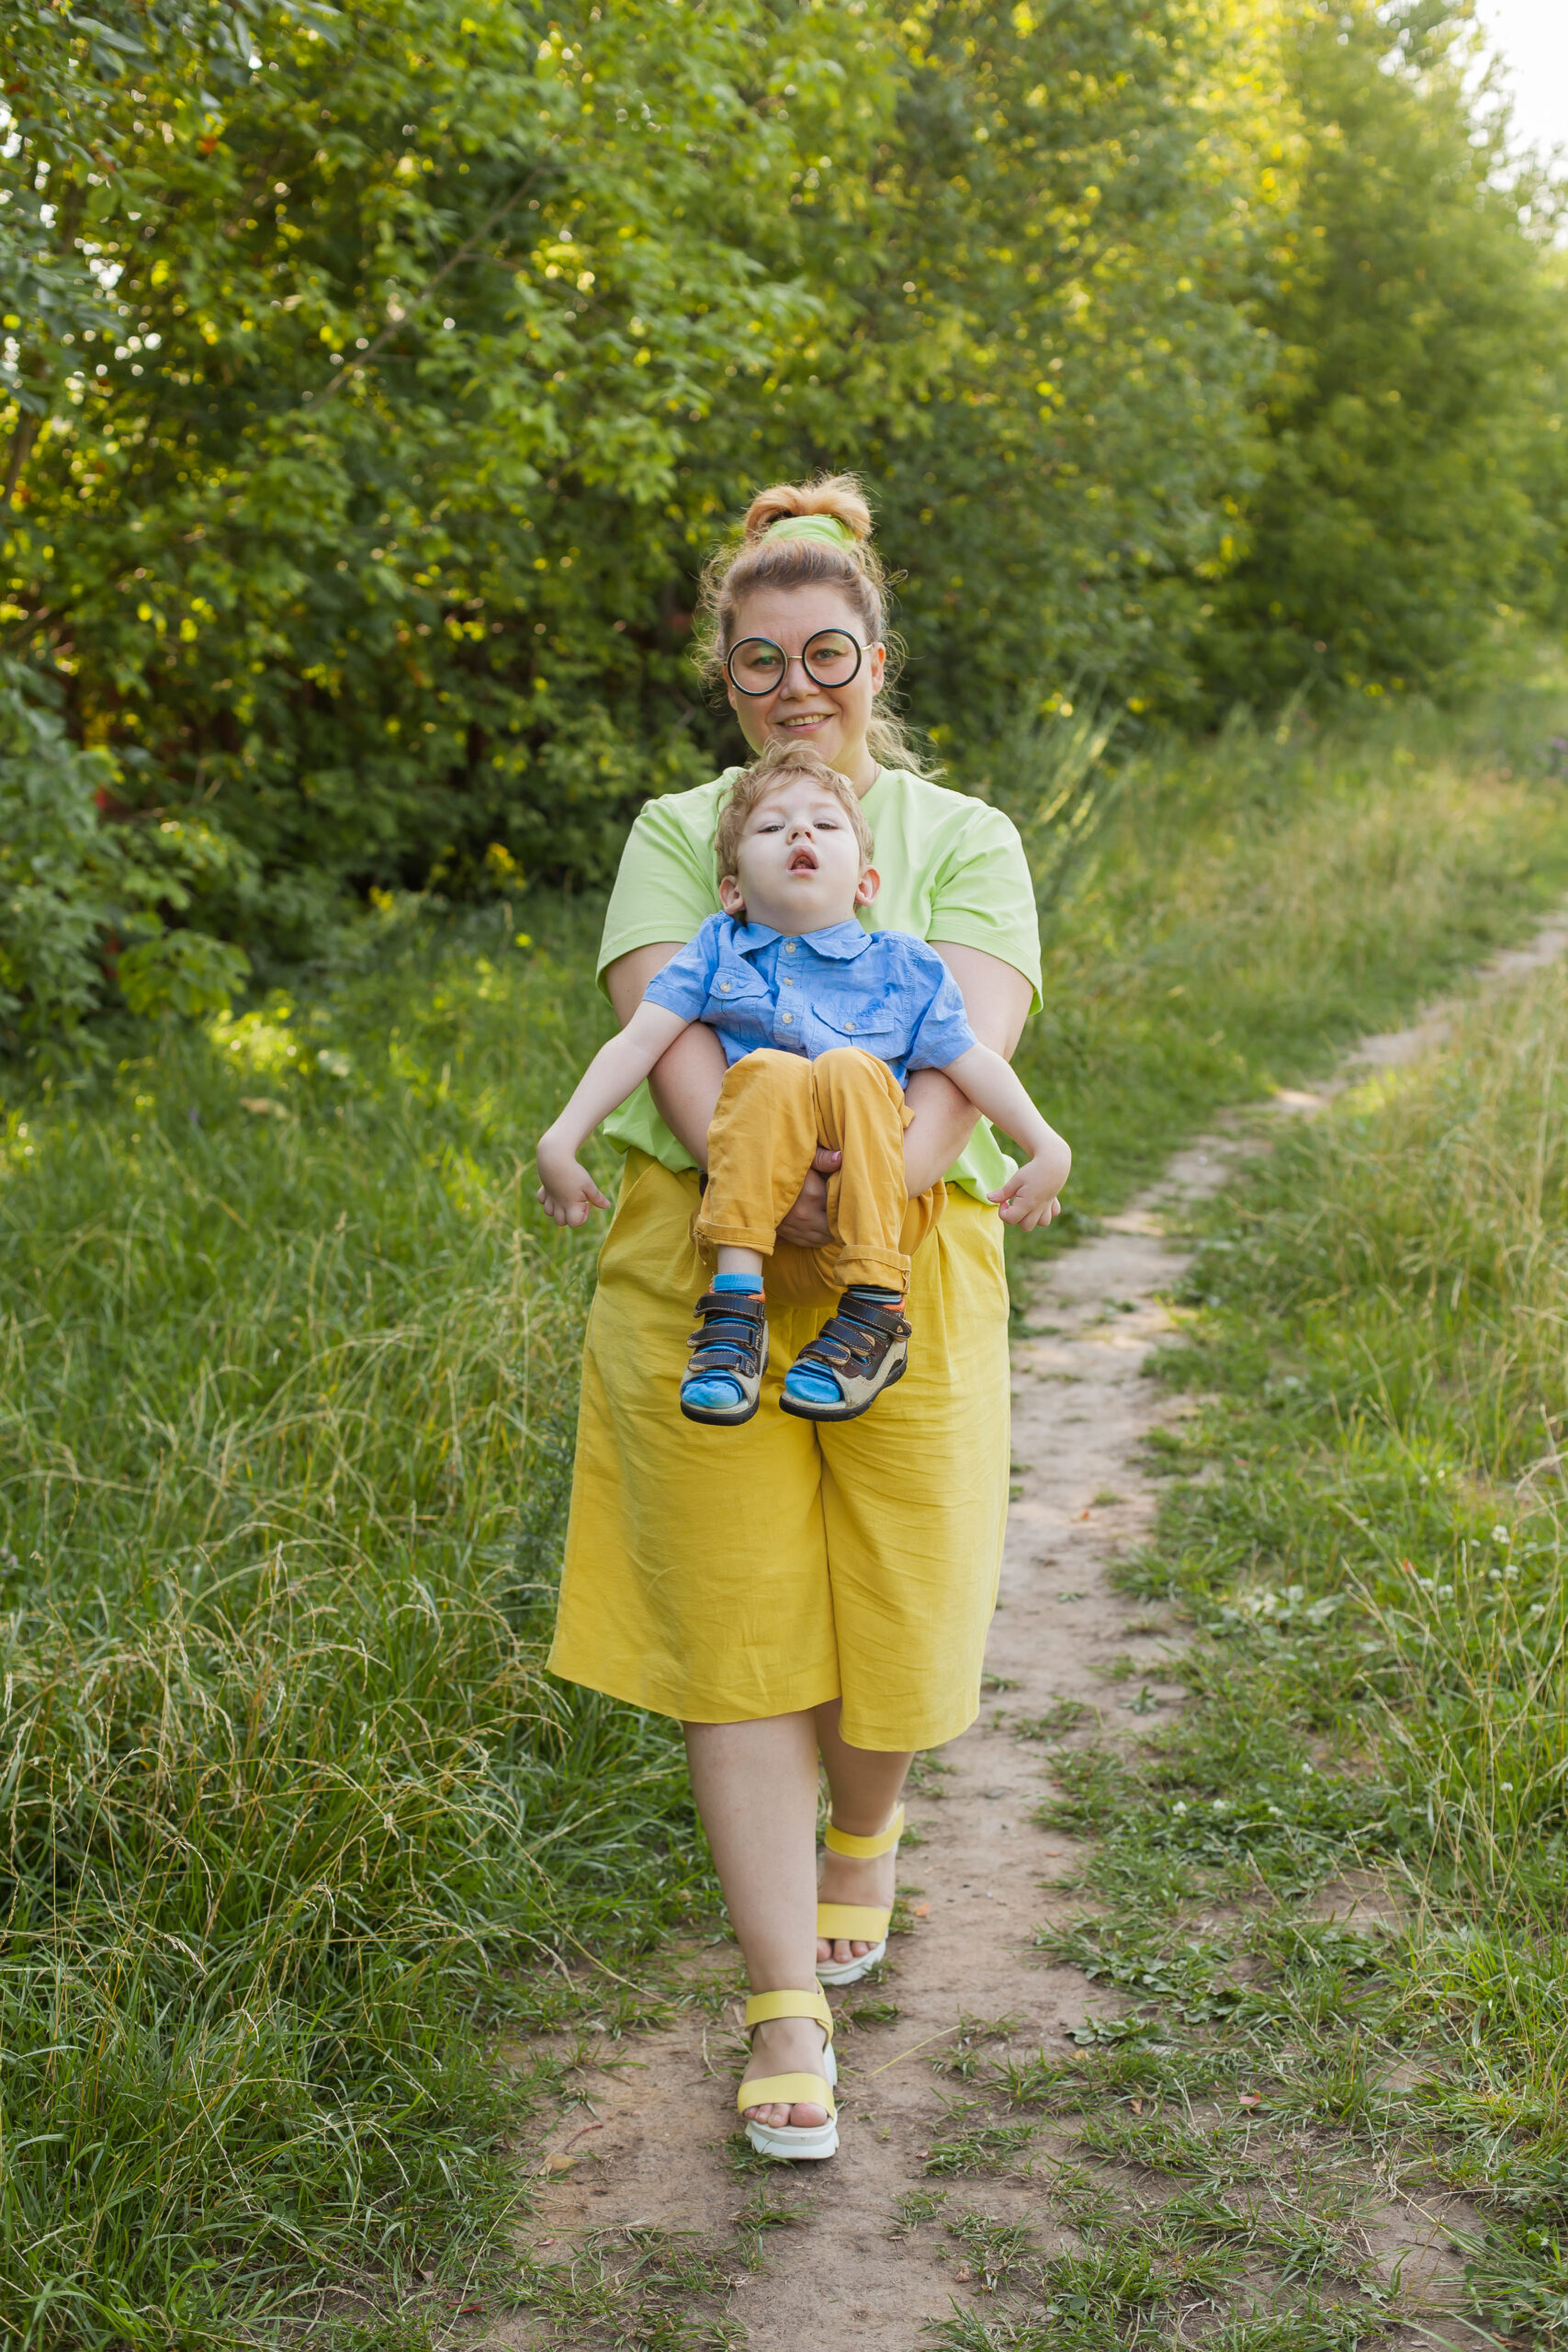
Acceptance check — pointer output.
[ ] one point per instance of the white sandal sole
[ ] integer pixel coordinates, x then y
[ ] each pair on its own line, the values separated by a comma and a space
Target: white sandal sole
850, 1972
792, 2142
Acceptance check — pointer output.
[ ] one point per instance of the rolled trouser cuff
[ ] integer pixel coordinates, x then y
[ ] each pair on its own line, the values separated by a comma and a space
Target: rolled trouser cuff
732, 1237
884, 1268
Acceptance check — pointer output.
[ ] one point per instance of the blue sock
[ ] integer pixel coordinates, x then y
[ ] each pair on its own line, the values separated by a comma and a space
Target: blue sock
715, 1390
878, 1297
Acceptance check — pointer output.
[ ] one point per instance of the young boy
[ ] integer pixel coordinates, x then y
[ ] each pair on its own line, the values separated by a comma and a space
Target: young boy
821, 1021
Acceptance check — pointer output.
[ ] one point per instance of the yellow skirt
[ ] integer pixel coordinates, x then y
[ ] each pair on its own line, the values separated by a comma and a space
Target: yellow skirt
718, 1575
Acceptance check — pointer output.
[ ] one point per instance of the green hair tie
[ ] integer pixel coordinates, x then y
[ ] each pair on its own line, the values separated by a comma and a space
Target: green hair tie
826, 528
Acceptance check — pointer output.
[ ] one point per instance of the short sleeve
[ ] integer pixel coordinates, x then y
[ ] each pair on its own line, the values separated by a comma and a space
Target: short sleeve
983, 895
681, 985
665, 884
943, 1031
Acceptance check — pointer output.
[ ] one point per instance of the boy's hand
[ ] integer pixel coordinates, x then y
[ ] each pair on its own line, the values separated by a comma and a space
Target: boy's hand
567, 1191
1029, 1199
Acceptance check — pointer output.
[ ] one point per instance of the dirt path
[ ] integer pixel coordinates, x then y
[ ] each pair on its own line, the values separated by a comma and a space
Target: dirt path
655, 2145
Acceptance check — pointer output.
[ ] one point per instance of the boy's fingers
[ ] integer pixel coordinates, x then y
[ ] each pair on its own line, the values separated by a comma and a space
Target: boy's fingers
825, 1161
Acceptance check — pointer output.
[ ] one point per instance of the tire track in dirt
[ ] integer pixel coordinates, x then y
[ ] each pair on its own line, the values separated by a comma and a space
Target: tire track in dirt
658, 2147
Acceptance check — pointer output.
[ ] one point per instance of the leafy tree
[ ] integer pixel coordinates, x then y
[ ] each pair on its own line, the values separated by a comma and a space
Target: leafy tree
374, 379
1082, 200
1419, 332
354, 527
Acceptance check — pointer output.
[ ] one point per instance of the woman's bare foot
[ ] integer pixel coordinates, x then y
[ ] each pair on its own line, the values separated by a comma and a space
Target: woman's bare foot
786, 2046
842, 1878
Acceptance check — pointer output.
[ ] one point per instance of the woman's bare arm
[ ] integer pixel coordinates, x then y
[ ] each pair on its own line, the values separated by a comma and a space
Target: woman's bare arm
686, 1081
996, 999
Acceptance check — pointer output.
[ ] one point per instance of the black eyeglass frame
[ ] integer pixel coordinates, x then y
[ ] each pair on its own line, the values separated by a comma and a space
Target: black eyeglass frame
758, 694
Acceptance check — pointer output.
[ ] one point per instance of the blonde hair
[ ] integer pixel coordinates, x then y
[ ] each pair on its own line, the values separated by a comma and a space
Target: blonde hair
777, 765
854, 569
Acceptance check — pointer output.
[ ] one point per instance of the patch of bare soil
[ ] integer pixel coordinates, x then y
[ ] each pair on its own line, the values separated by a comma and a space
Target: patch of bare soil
655, 2149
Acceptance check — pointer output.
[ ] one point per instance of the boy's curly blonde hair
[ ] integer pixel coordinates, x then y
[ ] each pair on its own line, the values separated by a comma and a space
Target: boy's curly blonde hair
778, 764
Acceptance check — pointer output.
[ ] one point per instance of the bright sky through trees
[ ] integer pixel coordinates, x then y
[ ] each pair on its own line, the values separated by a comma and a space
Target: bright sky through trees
1531, 36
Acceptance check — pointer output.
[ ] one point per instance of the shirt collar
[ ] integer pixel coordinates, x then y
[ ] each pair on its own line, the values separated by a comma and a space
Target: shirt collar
841, 942
750, 938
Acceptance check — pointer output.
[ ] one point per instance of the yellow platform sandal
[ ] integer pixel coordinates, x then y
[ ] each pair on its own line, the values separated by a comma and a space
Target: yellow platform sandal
860, 1923
791, 2142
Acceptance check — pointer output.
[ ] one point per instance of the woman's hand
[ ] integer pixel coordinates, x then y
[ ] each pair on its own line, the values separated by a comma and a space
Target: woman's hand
807, 1223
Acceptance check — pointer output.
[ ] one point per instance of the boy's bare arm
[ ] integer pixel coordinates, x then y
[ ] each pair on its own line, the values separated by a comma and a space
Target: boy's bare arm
566, 1188
686, 1081
1029, 1198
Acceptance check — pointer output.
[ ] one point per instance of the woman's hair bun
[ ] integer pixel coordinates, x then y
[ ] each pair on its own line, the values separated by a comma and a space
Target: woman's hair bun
839, 496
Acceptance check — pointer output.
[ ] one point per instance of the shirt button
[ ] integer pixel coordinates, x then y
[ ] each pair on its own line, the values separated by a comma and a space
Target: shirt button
789, 946
788, 983
850, 1026
723, 988
787, 1019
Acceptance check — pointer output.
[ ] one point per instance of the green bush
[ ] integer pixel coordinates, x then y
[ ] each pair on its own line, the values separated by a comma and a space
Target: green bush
83, 900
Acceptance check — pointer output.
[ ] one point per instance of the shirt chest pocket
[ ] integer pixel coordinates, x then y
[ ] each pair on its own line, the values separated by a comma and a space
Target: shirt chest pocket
877, 1027
738, 1000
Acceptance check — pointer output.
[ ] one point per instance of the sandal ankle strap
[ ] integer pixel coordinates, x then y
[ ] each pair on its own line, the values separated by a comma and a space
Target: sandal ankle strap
763, 2007
864, 1849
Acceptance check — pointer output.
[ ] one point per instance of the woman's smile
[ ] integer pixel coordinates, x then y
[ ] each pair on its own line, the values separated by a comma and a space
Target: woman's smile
832, 719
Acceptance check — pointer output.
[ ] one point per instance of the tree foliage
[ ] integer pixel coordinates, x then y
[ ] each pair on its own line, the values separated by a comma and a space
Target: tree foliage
1413, 412
379, 376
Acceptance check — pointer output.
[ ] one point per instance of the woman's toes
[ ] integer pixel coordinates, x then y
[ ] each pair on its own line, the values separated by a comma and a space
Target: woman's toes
774, 2119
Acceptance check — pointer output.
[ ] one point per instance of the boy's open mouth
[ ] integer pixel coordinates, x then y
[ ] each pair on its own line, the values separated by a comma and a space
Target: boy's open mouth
803, 860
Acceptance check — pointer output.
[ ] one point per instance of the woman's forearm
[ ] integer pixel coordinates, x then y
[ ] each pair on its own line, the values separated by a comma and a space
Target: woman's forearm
997, 999
944, 1121
685, 1085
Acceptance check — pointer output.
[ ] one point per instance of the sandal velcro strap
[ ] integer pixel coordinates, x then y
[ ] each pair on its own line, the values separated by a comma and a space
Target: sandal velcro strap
856, 1923
763, 2007
720, 1355
739, 1306
714, 1347
856, 1337
889, 1322
844, 1841
787, 2090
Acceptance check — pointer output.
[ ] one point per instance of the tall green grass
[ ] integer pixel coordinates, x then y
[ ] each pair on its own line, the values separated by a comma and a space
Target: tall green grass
288, 1387
1233, 912
293, 1818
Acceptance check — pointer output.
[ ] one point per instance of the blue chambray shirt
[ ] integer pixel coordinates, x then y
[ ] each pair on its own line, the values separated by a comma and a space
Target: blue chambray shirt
885, 991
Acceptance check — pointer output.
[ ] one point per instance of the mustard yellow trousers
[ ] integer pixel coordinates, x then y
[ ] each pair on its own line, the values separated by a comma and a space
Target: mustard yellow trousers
718, 1575
773, 1111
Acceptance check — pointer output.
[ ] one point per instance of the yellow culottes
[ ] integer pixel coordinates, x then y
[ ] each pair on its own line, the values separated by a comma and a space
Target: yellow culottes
718, 1575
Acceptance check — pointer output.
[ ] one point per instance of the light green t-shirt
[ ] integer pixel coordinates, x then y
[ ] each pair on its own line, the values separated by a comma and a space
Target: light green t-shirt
953, 870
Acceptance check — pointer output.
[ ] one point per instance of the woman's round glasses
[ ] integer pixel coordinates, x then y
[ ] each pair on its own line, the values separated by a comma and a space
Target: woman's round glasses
757, 665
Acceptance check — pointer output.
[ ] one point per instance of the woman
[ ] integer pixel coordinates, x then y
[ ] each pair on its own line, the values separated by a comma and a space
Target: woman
795, 1589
